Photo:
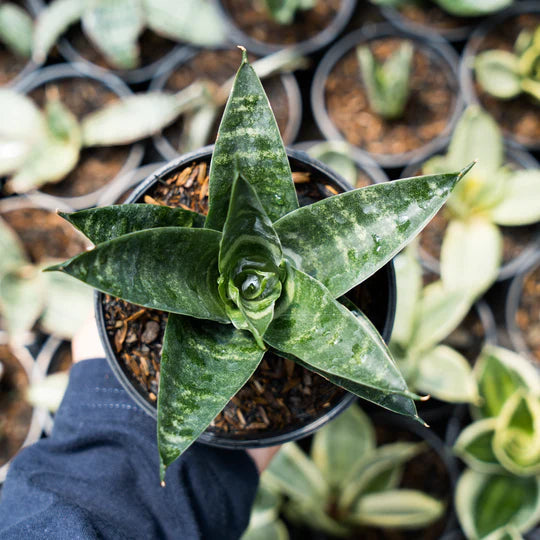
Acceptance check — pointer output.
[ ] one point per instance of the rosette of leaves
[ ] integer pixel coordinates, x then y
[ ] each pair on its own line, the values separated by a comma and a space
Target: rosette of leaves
347, 482
27, 295
386, 82
261, 273
16, 29
114, 27
425, 316
284, 11
494, 194
499, 495
506, 74
458, 8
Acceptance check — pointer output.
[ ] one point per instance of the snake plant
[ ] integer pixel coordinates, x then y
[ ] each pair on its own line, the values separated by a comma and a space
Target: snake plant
506, 74
387, 82
458, 8
494, 194
348, 481
114, 27
261, 273
264, 522
16, 29
499, 495
284, 11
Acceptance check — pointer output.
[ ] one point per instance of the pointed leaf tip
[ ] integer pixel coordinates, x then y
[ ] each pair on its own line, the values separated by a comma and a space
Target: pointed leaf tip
55, 267
425, 398
466, 169
162, 483
244, 54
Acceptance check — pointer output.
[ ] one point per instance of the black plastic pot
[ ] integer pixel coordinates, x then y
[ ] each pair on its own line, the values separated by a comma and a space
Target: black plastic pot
304, 47
466, 67
383, 282
58, 72
130, 76
431, 45
176, 61
513, 155
515, 293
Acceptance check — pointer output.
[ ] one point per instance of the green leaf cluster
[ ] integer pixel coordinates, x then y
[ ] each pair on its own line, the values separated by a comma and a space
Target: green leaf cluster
387, 82
16, 29
506, 74
348, 482
500, 493
261, 273
425, 316
284, 11
495, 194
27, 295
458, 8
114, 27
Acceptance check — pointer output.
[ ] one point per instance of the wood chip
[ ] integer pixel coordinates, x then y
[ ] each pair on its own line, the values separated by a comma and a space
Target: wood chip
301, 177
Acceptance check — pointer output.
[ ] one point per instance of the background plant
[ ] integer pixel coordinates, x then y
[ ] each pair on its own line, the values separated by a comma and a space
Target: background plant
284, 11
264, 522
494, 194
499, 495
348, 482
16, 29
251, 266
459, 8
505, 74
386, 82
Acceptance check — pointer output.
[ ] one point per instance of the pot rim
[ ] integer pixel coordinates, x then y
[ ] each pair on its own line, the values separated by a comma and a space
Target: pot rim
466, 76
290, 85
437, 47
308, 46
210, 438
55, 72
515, 265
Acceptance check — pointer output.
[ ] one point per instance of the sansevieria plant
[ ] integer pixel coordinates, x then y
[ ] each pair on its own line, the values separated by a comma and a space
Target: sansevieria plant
257, 273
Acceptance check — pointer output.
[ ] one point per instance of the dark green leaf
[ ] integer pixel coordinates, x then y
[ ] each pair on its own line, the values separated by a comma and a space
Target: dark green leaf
103, 224
203, 365
249, 141
343, 240
249, 262
172, 269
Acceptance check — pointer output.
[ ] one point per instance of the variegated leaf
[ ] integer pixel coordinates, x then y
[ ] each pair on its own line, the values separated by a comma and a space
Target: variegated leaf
340, 444
497, 72
113, 28
343, 240
52, 22
13, 255
150, 268
21, 118
336, 154
102, 224
249, 141
203, 365
48, 392
16, 29
276, 530
472, 8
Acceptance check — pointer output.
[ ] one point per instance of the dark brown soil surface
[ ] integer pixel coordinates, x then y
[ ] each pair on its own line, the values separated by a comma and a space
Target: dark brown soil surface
253, 19
219, 67
520, 116
427, 113
96, 166
280, 393
44, 234
10, 65
15, 412
152, 48
432, 16
528, 313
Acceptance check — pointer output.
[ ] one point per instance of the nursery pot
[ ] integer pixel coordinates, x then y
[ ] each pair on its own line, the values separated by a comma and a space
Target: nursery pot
289, 126
513, 114
522, 160
513, 308
381, 287
337, 79
65, 72
238, 35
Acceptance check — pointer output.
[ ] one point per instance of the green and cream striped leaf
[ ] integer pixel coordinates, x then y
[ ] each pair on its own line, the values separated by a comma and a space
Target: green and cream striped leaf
16, 29
113, 28
312, 326
249, 262
497, 72
249, 141
150, 268
343, 240
203, 365
103, 224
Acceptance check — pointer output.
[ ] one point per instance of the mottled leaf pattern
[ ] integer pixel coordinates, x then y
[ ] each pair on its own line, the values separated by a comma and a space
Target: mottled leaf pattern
203, 365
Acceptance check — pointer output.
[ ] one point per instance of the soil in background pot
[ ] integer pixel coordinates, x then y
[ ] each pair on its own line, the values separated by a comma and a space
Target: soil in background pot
520, 116
219, 67
528, 312
96, 166
426, 114
281, 393
15, 412
253, 19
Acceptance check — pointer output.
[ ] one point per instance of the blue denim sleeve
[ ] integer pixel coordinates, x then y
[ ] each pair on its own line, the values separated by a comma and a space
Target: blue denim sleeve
97, 476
